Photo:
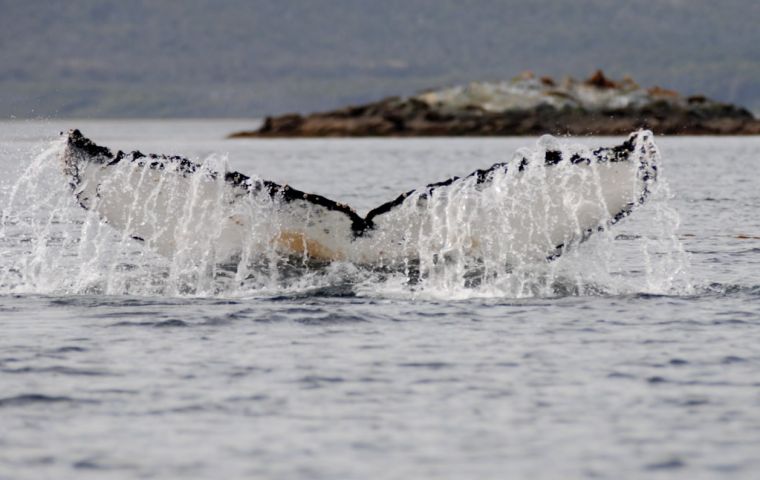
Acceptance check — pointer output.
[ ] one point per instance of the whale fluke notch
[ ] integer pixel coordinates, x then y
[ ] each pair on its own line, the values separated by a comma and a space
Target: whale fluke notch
322, 228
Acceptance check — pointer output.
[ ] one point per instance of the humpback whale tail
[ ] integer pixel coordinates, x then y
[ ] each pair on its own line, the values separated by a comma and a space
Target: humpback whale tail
529, 209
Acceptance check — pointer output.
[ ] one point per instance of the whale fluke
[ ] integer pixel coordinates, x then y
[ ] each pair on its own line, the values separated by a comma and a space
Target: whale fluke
528, 209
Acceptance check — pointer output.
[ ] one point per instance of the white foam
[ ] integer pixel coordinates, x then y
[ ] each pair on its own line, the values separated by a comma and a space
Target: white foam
51, 245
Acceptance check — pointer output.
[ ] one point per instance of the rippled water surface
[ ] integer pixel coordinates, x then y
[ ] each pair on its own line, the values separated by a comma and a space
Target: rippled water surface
639, 356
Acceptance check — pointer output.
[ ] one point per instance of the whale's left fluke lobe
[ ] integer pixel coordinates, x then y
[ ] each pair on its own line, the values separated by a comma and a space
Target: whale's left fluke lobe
161, 199
528, 209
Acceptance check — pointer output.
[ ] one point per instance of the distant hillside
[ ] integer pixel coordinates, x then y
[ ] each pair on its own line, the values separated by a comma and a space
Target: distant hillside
239, 58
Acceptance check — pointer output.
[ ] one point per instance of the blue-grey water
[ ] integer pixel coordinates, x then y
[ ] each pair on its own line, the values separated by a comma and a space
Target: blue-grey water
639, 358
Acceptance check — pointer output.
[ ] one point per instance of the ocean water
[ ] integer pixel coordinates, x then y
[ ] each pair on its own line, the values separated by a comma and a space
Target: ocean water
635, 354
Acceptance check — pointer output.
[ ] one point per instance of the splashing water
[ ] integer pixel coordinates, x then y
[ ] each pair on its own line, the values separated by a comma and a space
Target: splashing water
52, 246
507, 268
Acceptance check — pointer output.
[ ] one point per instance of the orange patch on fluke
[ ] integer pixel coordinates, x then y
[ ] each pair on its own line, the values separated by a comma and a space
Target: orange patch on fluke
298, 244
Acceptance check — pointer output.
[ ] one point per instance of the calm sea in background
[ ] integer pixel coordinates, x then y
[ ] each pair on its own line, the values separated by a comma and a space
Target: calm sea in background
641, 360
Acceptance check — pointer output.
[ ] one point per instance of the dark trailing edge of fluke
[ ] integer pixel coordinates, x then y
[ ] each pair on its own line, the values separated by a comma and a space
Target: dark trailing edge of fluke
80, 145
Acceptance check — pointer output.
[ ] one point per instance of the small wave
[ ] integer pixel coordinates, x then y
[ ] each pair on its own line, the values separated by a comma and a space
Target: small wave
667, 464
427, 365
27, 399
69, 349
330, 319
345, 290
57, 370
171, 323
728, 290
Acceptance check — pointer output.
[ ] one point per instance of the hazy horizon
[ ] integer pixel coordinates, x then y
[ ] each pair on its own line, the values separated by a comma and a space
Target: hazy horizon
249, 59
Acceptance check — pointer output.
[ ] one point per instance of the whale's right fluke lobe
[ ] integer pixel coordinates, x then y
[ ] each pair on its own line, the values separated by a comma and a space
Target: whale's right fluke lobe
528, 209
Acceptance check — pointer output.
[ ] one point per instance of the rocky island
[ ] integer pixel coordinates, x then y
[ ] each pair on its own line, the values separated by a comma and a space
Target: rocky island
525, 105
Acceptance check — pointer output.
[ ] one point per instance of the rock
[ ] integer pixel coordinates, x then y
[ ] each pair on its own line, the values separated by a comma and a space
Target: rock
598, 80
525, 105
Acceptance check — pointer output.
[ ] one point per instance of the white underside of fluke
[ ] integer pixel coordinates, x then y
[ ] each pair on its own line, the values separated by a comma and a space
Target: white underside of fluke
525, 211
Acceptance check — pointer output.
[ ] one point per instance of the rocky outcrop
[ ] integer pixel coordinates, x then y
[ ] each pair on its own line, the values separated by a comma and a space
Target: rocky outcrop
526, 105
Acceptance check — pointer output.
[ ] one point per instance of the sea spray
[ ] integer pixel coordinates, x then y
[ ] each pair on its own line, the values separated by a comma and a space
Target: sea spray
462, 244
501, 265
